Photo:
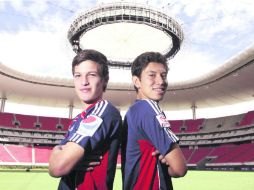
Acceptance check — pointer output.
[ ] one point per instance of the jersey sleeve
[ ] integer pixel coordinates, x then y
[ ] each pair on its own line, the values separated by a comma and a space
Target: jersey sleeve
95, 129
110, 130
156, 128
81, 132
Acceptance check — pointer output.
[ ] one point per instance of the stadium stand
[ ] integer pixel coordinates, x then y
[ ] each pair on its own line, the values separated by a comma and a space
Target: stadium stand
248, 119
49, 123
214, 143
26, 121
22, 154
193, 125
6, 119
5, 157
198, 154
177, 126
41, 154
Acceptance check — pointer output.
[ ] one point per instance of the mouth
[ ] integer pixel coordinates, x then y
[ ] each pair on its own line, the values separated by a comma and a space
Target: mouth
161, 90
84, 90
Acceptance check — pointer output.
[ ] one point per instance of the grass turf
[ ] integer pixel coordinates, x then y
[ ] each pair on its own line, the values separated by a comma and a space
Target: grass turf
194, 180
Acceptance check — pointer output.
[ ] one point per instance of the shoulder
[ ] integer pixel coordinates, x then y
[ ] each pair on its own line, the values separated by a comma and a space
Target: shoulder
101, 107
106, 108
145, 106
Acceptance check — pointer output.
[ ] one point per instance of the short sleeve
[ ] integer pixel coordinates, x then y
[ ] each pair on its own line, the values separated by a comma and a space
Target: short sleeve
82, 131
157, 129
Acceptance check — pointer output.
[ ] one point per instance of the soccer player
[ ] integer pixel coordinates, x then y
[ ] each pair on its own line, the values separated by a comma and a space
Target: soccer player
147, 130
94, 131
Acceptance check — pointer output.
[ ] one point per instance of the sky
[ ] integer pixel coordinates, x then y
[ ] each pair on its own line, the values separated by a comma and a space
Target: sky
33, 34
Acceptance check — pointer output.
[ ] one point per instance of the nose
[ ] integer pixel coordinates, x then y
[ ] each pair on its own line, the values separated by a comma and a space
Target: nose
84, 80
160, 79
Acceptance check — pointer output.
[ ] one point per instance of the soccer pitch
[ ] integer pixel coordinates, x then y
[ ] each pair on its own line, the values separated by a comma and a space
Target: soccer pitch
194, 180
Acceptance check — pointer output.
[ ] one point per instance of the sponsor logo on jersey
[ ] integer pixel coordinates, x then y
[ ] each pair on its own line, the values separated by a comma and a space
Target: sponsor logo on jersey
89, 125
163, 120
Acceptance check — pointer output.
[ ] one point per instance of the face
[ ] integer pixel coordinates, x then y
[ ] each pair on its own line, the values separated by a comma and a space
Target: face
88, 83
152, 83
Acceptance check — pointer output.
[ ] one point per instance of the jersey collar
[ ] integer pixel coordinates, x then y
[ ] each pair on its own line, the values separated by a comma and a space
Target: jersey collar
83, 114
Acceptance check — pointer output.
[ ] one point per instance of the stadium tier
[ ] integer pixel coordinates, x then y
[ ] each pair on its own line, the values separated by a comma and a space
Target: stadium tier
225, 142
11, 154
33, 122
198, 154
41, 154
248, 119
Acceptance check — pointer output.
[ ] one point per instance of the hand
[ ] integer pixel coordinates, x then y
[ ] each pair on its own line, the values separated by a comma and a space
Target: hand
160, 157
92, 161
89, 163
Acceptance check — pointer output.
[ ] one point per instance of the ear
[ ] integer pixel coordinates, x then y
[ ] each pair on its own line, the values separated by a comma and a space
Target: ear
136, 81
105, 80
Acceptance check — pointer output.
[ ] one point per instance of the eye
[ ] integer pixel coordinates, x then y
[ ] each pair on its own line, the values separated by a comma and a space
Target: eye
76, 75
93, 74
164, 75
151, 75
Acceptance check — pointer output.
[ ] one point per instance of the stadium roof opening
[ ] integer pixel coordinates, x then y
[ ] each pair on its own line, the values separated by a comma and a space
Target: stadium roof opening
129, 29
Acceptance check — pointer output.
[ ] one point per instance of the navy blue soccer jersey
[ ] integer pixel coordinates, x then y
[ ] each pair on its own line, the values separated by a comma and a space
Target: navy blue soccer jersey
145, 130
97, 130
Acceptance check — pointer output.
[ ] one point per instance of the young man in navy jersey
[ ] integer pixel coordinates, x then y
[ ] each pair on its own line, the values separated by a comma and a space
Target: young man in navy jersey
94, 131
146, 130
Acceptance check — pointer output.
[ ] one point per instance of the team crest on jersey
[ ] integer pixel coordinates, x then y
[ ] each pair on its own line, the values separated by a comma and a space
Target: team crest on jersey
163, 120
89, 125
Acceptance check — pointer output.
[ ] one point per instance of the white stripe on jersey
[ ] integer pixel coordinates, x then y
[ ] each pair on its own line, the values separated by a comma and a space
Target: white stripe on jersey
158, 111
155, 106
158, 175
76, 138
103, 108
80, 138
99, 108
171, 135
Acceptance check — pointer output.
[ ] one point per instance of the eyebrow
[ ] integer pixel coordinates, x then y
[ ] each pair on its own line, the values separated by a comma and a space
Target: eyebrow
86, 72
156, 72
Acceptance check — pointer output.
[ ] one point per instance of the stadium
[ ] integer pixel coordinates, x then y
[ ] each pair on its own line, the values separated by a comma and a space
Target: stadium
221, 143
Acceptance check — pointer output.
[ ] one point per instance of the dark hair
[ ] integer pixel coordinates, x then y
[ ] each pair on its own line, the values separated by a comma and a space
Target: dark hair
96, 56
141, 62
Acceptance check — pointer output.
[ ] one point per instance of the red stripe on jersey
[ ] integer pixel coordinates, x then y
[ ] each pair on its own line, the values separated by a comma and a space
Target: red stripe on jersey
96, 179
148, 176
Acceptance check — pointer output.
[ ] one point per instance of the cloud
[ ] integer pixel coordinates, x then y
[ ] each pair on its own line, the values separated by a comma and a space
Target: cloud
189, 64
36, 52
33, 34
211, 28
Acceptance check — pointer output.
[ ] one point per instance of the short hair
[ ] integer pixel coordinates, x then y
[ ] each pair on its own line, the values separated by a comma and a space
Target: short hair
96, 56
141, 62
93, 55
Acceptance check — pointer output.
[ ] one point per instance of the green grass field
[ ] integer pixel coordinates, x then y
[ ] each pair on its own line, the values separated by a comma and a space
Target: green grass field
194, 180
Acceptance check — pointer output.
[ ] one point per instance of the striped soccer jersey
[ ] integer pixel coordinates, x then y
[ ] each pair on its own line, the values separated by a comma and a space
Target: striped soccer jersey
145, 130
97, 129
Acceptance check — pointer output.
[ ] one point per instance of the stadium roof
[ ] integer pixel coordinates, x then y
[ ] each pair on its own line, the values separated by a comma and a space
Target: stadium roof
214, 66
230, 83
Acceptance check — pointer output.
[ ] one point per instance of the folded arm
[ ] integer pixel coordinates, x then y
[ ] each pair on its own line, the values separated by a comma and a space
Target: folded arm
63, 158
175, 161
177, 166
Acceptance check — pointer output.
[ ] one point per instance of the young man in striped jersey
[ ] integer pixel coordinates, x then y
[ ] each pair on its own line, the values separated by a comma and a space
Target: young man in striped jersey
146, 130
94, 131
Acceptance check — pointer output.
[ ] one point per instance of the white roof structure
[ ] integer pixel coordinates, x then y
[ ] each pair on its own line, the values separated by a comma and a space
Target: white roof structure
231, 83
217, 35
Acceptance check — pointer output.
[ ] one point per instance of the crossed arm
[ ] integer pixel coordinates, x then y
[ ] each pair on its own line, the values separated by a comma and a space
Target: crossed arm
175, 160
63, 158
